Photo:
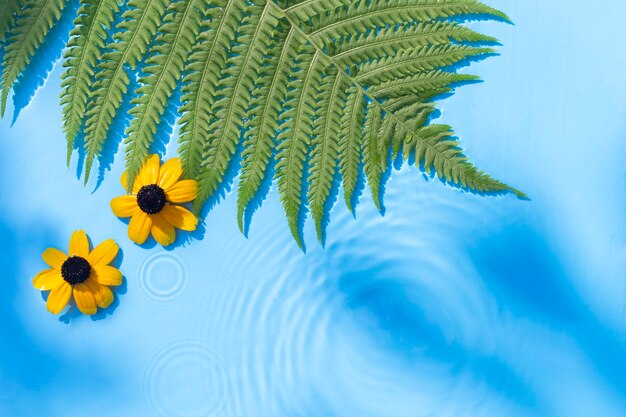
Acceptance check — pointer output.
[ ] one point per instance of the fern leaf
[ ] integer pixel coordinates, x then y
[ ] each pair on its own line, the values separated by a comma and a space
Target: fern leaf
390, 41
140, 23
325, 145
410, 62
236, 93
8, 12
206, 63
164, 69
425, 85
321, 87
434, 146
364, 15
307, 9
34, 20
296, 129
372, 158
262, 125
85, 50
350, 143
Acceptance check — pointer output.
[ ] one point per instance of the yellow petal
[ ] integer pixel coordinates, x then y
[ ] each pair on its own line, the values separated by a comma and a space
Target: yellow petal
49, 279
102, 293
180, 217
54, 258
106, 275
139, 227
162, 231
79, 244
85, 301
124, 205
124, 181
182, 192
58, 298
104, 253
170, 173
149, 172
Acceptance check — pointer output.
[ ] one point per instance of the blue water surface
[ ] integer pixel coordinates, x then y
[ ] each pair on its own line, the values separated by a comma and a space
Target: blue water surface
450, 304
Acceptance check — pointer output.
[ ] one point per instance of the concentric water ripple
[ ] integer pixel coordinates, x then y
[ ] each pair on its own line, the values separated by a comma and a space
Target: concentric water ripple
275, 322
186, 379
369, 313
162, 276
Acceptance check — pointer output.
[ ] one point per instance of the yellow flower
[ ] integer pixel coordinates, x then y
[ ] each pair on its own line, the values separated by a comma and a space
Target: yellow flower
152, 205
84, 274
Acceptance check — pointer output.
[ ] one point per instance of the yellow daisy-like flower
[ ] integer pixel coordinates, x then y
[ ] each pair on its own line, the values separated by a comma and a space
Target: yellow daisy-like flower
82, 273
152, 205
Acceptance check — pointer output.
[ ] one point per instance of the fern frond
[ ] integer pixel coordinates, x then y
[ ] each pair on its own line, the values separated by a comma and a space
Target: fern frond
348, 84
236, 87
437, 150
410, 62
35, 18
324, 89
139, 25
363, 15
372, 158
387, 42
296, 128
325, 144
85, 50
424, 85
206, 63
350, 140
8, 12
262, 125
163, 71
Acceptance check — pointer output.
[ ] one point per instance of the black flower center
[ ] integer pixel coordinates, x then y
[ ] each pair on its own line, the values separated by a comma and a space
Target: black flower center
75, 270
151, 199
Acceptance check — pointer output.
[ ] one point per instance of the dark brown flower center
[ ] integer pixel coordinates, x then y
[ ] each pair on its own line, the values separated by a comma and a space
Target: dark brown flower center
151, 199
75, 270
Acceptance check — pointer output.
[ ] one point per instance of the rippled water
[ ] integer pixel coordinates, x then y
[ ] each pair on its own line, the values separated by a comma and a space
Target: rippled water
449, 305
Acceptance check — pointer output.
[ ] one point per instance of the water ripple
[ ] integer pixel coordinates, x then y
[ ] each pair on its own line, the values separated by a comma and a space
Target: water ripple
186, 378
370, 313
162, 276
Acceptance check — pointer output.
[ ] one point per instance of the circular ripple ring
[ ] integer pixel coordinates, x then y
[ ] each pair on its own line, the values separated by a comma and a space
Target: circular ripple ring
162, 277
186, 378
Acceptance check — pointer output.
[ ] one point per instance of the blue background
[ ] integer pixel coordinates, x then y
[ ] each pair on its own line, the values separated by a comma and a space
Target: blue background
450, 305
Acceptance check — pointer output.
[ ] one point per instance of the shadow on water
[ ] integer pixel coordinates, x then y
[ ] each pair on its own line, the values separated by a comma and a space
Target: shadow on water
524, 274
28, 367
477, 17
42, 63
116, 134
18, 349
397, 317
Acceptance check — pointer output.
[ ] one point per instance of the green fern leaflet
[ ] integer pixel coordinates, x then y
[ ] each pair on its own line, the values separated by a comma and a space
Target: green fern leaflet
311, 92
